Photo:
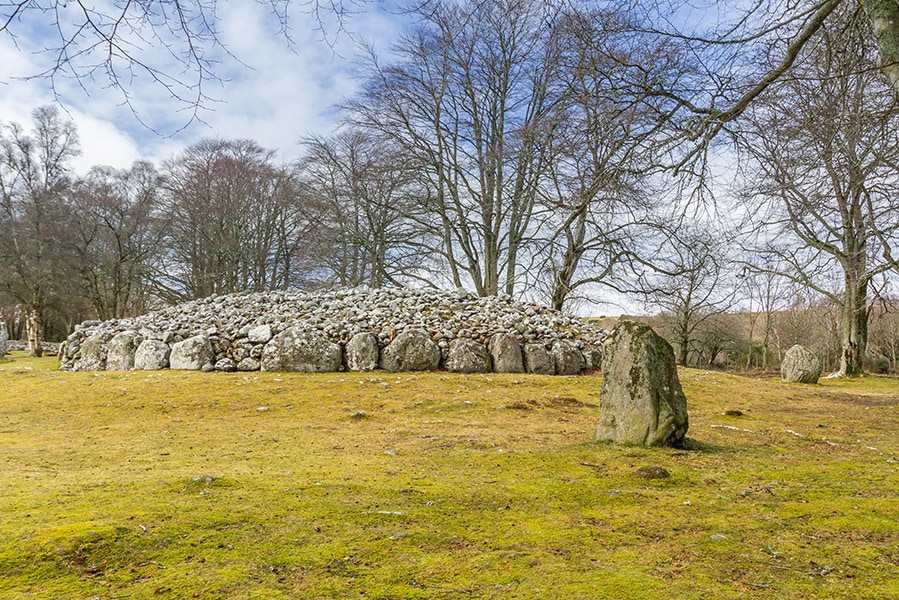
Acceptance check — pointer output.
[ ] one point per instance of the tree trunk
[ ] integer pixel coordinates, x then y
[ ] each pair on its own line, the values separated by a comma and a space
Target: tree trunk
884, 15
854, 326
573, 252
34, 326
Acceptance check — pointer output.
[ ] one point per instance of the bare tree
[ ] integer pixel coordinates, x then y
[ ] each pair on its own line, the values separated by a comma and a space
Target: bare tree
119, 231
371, 220
468, 100
603, 147
688, 282
34, 177
826, 148
233, 221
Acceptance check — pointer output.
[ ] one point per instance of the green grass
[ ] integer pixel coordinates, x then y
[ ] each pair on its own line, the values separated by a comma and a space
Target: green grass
265, 485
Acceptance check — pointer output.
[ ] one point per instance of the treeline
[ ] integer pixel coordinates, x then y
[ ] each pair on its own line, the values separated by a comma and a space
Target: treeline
549, 151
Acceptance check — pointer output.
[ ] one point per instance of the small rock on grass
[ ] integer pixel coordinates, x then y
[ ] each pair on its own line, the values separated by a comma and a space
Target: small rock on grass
652, 472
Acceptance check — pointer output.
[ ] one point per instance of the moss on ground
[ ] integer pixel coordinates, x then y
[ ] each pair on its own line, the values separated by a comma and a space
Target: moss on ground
266, 485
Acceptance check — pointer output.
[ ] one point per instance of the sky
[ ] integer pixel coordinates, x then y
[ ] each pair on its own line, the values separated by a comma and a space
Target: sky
275, 90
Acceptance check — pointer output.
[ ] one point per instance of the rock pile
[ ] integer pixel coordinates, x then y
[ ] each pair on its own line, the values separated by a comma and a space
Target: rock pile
356, 329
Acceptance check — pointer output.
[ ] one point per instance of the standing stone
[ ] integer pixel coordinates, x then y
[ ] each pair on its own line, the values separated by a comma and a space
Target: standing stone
152, 355
538, 359
4, 339
192, 354
568, 358
362, 352
506, 353
296, 349
800, 365
93, 353
412, 350
121, 349
467, 356
641, 401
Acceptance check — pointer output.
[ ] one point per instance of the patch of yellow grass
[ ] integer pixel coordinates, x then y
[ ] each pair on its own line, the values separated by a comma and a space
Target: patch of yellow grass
377, 485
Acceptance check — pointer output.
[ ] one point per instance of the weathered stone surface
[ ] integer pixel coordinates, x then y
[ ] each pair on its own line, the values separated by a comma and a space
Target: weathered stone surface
593, 358
93, 353
225, 364
538, 359
248, 364
467, 356
800, 365
568, 358
152, 355
4, 339
121, 349
412, 350
505, 351
260, 335
362, 352
641, 401
296, 349
192, 354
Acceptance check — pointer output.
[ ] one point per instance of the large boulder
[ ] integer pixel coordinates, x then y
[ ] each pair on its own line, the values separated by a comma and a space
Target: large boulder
362, 352
152, 355
800, 365
296, 349
641, 401
505, 351
4, 339
192, 354
537, 359
568, 358
121, 349
467, 356
412, 350
93, 353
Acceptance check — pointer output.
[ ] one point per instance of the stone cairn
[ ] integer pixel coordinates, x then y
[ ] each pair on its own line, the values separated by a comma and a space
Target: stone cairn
357, 329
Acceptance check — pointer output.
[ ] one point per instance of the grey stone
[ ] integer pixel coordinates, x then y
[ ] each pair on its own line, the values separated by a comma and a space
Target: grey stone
4, 339
152, 355
506, 353
538, 359
800, 365
225, 364
467, 356
248, 364
121, 349
362, 352
568, 358
260, 335
641, 401
296, 349
93, 353
191, 354
593, 358
412, 350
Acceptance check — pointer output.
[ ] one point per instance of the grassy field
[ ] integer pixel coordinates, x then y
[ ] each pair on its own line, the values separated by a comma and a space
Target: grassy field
266, 485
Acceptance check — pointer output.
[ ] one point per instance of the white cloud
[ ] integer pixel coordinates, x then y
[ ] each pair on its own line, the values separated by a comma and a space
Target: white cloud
286, 93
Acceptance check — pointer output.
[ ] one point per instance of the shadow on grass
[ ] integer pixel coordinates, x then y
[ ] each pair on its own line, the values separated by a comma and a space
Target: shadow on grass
694, 445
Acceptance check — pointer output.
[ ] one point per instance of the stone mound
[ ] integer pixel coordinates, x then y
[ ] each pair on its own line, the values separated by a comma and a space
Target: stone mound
355, 329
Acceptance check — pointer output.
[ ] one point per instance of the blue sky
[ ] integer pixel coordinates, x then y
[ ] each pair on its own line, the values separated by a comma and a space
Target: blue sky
274, 91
